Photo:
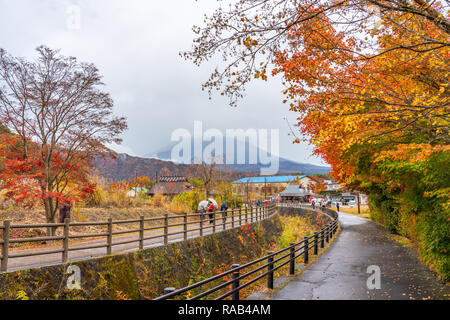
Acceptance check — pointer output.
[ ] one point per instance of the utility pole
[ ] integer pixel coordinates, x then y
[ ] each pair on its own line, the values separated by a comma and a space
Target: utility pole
358, 201
265, 189
135, 183
247, 192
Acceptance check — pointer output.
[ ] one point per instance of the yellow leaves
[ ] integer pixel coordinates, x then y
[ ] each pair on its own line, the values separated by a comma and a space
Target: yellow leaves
22, 295
249, 42
261, 74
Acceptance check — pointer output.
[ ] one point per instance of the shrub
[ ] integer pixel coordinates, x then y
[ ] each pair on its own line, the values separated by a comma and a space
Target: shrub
119, 198
294, 229
158, 200
98, 198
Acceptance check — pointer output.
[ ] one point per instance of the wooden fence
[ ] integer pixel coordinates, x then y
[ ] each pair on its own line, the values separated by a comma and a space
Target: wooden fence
260, 268
169, 225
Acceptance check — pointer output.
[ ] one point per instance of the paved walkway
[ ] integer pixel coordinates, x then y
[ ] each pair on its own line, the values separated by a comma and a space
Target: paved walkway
341, 272
84, 254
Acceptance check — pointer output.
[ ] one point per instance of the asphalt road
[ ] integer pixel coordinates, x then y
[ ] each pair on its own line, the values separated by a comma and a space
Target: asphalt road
341, 272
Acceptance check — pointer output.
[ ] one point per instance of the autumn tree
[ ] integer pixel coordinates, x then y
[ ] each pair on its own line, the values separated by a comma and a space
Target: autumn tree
141, 181
368, 80
55, 106
249, 34
207, 173
317, 185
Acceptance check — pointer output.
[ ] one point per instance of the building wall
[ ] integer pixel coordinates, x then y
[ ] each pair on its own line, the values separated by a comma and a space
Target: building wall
273, 188
258, 189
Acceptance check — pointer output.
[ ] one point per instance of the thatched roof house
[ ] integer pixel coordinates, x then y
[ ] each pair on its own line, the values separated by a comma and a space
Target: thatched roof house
170, 186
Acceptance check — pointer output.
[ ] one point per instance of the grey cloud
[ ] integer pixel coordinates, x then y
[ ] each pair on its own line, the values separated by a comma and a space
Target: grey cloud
135, 44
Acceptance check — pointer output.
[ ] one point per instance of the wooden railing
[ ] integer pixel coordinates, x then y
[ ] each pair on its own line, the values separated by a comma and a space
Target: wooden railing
269, 263
197, 222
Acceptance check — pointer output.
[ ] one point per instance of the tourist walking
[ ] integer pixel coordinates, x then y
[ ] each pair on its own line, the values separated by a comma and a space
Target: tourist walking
211, 211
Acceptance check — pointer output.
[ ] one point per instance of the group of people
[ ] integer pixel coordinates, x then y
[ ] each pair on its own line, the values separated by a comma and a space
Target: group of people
320, 204
209, 208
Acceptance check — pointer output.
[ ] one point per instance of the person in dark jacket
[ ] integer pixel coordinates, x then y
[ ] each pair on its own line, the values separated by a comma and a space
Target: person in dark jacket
337, 206
64, 212
224, 209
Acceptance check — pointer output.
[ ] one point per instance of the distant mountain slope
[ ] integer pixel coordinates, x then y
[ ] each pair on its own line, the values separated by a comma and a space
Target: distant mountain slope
285, 166
125, 167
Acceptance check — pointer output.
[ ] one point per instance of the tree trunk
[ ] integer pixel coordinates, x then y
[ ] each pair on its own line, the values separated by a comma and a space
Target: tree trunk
50, 213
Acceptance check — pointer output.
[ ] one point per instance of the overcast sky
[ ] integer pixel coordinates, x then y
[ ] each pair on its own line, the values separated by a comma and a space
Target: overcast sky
135, 45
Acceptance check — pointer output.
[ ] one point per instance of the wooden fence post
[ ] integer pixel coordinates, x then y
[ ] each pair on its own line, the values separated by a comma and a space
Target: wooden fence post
232, 218
65, 253
322, 238
240, 216
141, 233
292, 259
185, 226
306, 250
224, 221
235, 283
166, 228
109, 237
246, 215
270, 270
316, 243
5, 245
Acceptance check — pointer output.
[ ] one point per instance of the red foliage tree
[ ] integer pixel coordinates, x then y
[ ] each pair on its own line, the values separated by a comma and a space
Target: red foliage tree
59, 119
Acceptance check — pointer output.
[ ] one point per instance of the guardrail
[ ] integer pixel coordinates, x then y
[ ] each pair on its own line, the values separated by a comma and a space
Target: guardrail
273, 261
238, 217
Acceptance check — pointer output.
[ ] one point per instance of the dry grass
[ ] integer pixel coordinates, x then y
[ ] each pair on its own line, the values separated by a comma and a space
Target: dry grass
19, 215
365, 211
404, 241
